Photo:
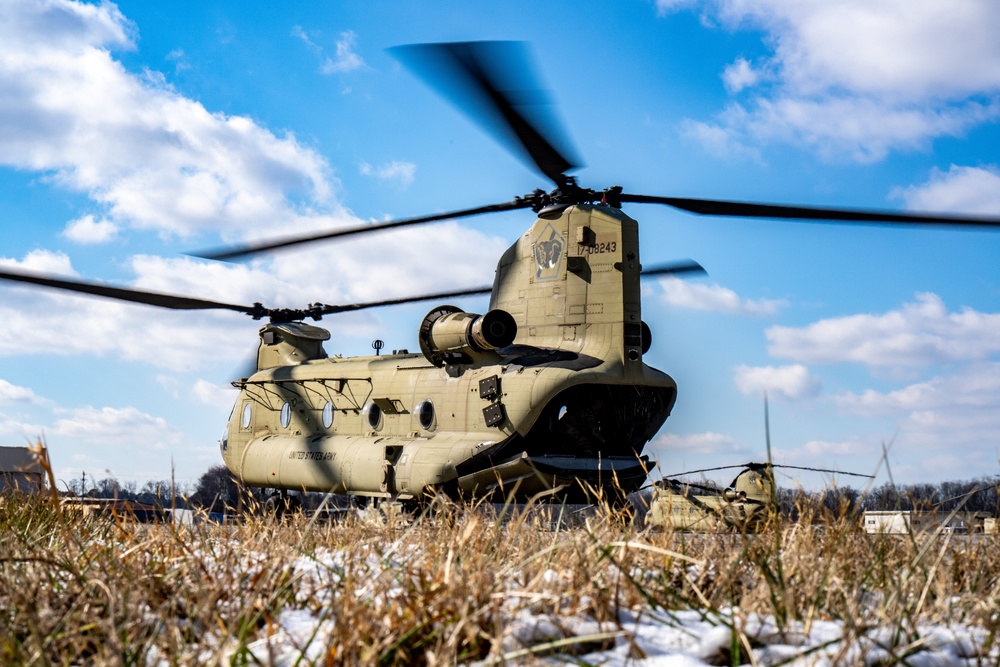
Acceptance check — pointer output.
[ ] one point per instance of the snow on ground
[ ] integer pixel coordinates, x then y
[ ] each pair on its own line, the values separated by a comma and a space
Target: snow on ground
647, 637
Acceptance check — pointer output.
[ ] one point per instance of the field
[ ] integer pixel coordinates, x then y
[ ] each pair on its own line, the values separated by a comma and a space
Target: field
487, 586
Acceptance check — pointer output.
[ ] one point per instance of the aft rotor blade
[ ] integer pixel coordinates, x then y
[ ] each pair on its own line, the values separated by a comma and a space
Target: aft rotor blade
158, 299
326, 309
814, 213
245, 249
494, 83
832, 472
684, 266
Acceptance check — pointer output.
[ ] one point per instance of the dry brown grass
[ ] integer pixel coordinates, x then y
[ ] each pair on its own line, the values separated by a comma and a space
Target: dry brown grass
447, 588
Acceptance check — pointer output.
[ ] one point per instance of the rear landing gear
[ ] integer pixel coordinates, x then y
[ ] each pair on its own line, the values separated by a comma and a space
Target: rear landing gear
279, 504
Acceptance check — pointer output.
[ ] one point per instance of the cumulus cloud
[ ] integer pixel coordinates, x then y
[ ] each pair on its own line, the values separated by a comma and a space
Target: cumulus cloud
974, 190
973, 389
379, 267
11, 393
88, 231
150, 157
854, 79
714, 298
957, 409
916, 335
116, 426
668, 444
41, 261
16, 432
401, 172
739, 75
209, 393
836, 126
793, 382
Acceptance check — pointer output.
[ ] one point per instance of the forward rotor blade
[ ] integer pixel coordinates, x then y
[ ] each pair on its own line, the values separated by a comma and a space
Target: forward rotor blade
246, 249
674, 268
493, 83
257, 311
158, 299
692, 472
813, 213
326, 309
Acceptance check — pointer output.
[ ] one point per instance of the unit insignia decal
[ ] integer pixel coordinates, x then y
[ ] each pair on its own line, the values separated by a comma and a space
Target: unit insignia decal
548, 248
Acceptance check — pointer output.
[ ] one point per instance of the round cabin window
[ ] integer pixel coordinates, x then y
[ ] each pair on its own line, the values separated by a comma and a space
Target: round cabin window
247, 413
286, 415
328, 415
425, 414
372, 415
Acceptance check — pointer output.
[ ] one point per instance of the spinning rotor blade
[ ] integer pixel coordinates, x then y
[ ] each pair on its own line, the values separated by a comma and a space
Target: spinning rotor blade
329, 310
737, 209
158, 299
674, 268
493, 82
245, 249
257, 311
832, 472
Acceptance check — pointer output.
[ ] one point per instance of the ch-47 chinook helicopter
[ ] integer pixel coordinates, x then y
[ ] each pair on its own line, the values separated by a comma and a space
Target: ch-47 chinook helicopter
547, 390
743, 506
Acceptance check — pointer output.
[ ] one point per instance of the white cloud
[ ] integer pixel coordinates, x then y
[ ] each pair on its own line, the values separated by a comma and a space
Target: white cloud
696, 296
793, 382
666, 6
739, 75
382, 266
402, 172
916, 335
856, 79
180, 59
14, 432
88, 231
346, 59
974, 190
116, 427
670, 444
149, 156
11, 393
957, 413
837, 126
41, 261
208, 393
973, 389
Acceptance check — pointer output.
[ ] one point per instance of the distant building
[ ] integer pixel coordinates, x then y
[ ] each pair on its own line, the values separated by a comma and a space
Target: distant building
126, 509
905, 521
19, 471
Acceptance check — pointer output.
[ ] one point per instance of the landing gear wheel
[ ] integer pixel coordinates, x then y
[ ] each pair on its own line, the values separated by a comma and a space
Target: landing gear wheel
279, 504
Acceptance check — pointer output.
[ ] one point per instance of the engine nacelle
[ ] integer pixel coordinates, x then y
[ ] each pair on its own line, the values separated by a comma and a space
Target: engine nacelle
450, 336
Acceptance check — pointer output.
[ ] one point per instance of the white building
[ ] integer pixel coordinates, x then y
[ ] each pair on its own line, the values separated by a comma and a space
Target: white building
905, 521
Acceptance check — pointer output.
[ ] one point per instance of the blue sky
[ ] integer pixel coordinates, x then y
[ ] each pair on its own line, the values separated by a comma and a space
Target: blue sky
132, 133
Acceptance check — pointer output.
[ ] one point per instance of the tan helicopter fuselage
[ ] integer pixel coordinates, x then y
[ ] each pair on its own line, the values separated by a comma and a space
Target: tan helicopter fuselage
568, 402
